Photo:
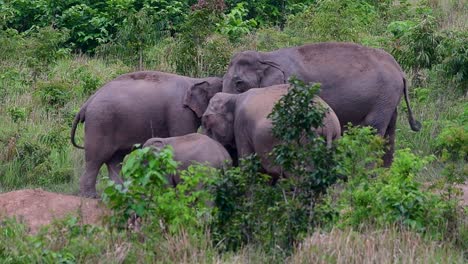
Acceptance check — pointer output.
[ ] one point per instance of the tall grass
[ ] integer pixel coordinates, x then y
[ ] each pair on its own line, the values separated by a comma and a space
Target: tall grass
383, 246
66, 241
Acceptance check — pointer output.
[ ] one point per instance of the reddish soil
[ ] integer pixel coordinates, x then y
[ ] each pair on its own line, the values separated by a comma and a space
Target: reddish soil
37, 208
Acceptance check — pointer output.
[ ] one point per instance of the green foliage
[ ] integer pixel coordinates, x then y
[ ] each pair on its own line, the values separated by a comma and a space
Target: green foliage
393, 197
270, 12
251, 209
17, 114
145, 193
453, 54
234, 25
137, 33
416, 48
324, 20
40, 159
452, 144
53, 94
37, 38
66, 241
295, 118
43, 46
359, 150
191, 49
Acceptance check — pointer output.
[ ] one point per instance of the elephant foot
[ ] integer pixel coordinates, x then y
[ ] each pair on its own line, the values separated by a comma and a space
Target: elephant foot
92, 195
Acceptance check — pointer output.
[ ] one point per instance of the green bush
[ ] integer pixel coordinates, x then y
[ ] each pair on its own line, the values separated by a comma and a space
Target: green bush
324, 21
392, 197
137, 33
452, 144
53, 94
453, 55
37, 158
234, 25
276, 213
415, 46
43, 46
145, 194
186, 54
17, 114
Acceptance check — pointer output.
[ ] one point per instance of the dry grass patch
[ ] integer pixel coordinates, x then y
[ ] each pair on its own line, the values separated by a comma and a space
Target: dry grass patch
386, 246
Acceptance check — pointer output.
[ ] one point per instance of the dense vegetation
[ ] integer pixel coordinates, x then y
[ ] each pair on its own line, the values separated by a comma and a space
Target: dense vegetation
54, 54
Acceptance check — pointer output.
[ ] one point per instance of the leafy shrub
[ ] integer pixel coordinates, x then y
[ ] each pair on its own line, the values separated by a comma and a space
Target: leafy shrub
53, 94
415, 49
453, 55
275, 216
36, 158
138, 32
452, 145
186, 55
324, 21
270, 12
359, 150
392, 197
301, 148
17, 114
251, 211
44, 46
234, 25
145, 193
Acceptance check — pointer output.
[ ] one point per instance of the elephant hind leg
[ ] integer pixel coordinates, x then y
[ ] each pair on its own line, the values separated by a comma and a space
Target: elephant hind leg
114, 166
88, 179
98, 150
385, 124
390, 140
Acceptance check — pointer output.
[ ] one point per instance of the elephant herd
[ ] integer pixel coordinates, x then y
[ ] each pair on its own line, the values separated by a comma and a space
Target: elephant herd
359, 85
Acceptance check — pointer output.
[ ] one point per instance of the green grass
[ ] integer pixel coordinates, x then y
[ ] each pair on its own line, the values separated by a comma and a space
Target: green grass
66, 241
435, 104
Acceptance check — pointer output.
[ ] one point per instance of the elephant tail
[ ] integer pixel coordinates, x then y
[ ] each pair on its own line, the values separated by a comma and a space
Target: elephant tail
414, 124
79, 118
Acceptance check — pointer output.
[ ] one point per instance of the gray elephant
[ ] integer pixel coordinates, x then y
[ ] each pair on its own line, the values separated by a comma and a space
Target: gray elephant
362, 85
192, 148
240, 121
133, 108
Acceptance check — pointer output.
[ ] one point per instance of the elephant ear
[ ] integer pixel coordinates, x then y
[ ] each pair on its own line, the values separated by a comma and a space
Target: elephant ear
196, 97
270, 74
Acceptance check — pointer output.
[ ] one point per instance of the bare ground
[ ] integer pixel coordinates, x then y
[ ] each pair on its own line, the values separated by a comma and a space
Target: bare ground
37, 208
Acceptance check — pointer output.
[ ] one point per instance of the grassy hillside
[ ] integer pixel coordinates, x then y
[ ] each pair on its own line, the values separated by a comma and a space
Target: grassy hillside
51, 60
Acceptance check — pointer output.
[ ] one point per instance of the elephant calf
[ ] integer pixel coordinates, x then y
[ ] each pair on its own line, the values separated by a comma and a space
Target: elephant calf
192, 148
240, 121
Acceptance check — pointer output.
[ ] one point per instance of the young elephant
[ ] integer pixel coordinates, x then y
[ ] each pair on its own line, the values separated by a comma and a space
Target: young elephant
133, 108
192, 148
240, 121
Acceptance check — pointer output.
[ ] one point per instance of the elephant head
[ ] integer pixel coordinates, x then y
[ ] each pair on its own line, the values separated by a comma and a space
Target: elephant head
200, 92
251, 69
218, 119
155, 143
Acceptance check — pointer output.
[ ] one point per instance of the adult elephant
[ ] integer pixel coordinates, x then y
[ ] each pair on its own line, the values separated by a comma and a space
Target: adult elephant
362, 85
240, 121
133, 108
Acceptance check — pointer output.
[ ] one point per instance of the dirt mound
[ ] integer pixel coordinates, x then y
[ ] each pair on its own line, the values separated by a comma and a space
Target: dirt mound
36, 207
